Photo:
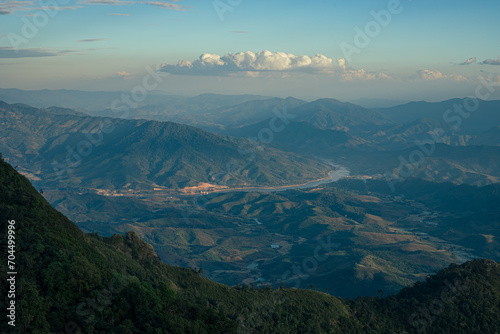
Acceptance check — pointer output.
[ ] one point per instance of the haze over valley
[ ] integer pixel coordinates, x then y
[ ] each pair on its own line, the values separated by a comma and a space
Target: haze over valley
249, 167
170, 183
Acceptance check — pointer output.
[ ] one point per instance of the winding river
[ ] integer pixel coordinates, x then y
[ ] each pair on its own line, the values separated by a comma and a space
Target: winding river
338, 173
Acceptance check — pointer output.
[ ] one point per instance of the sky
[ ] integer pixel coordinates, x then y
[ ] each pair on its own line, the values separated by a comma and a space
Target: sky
395, 50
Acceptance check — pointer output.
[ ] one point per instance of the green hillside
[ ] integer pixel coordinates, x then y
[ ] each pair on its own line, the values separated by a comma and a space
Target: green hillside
119, 285
68, 281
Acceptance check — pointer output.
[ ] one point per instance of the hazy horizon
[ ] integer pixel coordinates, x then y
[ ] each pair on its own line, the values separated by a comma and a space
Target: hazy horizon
395, 50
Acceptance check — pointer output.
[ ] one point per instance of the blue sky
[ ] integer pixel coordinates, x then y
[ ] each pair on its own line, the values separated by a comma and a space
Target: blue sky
107, 45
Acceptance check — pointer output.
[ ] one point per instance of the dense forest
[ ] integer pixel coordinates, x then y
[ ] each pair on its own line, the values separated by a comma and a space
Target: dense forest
71, 282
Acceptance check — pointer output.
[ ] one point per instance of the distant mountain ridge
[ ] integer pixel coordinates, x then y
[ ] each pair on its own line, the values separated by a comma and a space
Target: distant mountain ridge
93, 101
112, 154
336, 115
252, 111
305, 137
490, 137
382, 133
473, 122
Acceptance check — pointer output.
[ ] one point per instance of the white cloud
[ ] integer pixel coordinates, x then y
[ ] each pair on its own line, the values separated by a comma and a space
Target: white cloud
9, 52
429, 75
491, 61
468, 61
125, 75
492, 78
91, 40
213, 64
251, 64
351, 74
7, 8
12, 7
169, 5
106, 2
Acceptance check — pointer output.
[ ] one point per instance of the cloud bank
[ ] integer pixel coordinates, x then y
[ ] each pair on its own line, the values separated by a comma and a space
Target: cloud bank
213, 64
8, 52
252, 64
125, 75
468, 61
91, 40
169, 4
429, 75
491, 61
106, 2
11, 7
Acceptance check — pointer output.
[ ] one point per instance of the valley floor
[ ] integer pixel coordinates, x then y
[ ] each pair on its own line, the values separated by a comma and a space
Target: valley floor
374, 241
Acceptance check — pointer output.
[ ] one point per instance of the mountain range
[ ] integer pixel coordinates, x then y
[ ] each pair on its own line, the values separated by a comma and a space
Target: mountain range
70, 150
469, 116
195, 193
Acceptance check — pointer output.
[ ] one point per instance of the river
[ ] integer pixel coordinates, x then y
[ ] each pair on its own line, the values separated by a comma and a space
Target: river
339, 173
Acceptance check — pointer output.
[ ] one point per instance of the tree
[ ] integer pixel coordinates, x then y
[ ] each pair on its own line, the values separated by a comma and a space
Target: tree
166, 292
